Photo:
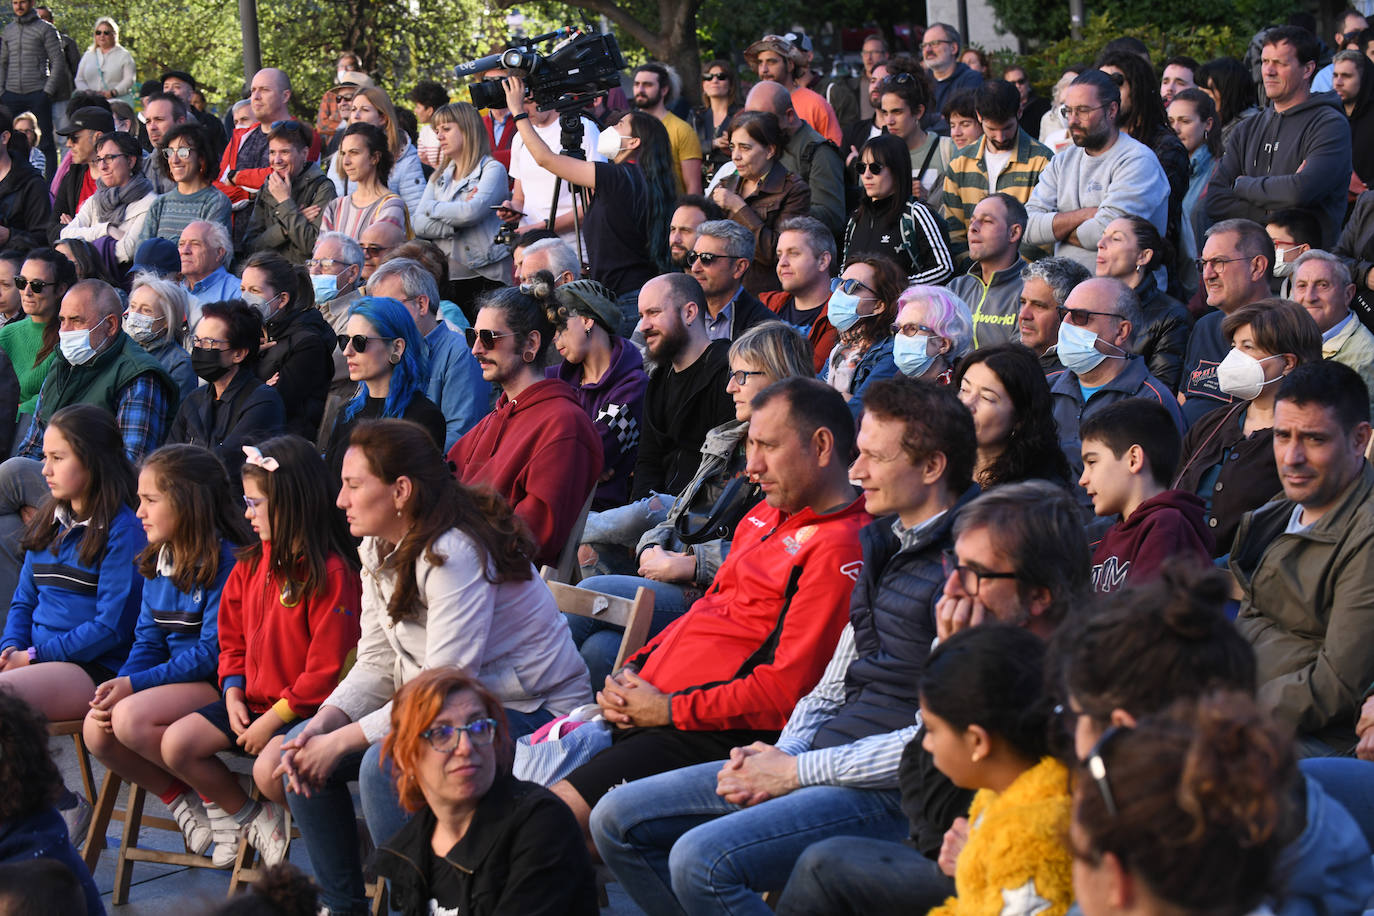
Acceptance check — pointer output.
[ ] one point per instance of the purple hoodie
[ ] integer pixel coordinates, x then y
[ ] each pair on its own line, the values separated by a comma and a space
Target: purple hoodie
615, 404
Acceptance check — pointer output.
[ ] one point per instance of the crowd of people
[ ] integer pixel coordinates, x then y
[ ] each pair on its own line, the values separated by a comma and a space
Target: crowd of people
996, 464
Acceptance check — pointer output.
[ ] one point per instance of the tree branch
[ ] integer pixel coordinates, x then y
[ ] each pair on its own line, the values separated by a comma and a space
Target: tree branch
637, 30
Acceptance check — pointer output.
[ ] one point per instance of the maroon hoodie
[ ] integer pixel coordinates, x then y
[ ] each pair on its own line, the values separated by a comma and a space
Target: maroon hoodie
542, 454
1168, 528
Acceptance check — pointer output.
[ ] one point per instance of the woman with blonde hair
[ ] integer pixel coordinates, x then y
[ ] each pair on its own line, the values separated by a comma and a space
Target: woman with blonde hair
373, 106
107, 67
455, 210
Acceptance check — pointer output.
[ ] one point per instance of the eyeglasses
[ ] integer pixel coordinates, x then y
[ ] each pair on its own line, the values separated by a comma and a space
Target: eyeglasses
359, 342
208, 343
970, 579
486, 336
326, 264
1217, 264
741, 376
705, 257
716, 77
103, 32
1083, 316
850, 285
254, 505
108, 160
444, 738
872, 168
930, 45
911, 330
1079, 111
1097, 767
181, 152
895, 79
37, 286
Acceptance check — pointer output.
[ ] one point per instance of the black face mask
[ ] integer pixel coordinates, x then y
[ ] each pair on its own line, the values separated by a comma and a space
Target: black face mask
206, 364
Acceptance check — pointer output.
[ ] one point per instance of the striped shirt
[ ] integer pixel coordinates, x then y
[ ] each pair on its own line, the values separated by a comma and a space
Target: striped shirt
966, 183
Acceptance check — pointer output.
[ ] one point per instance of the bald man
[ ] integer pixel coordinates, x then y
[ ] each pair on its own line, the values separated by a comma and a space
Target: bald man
244, 167
807, 153
377, 241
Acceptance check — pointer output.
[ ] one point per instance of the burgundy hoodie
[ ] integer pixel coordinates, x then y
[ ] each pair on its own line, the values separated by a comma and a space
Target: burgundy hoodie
1168, 528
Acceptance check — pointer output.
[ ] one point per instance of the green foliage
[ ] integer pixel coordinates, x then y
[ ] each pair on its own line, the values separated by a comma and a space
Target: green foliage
1040, 22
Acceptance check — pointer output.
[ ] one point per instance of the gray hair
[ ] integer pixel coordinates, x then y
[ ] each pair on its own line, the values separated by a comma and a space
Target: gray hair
1061, 275
217, 236
1340, 271
947, 314
349, 249
241, 103
950, 30
172, 300
562, 258
739, 242
1250, 238
416, 280
1353, 57
819, 238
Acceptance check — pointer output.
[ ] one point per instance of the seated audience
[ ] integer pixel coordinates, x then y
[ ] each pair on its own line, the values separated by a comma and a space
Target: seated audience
1322, 285
1194, 120
992, 285
234, 407
551, 254
156, 320
449, 583
289, 207
404, 176
890, 221
25, 207
32, 344
205, 250
806, 153
1294, 232
1302, 605
806, 255
1132, 251
288, 629
962, 117
11, 299
933, 331
171, 665
74, 181
862, 308
834, 768
336, 277
1130, 454
511, 844
692, 210
1004, 388
1228, 454
538, 449
1045, 288
117, 210
185, 159
721, 258
377, 241
366, 162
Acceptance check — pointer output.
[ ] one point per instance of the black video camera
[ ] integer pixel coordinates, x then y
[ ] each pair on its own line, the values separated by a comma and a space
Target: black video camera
579, 68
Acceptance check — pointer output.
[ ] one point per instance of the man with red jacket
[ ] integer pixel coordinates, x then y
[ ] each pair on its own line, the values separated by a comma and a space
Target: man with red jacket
245, 167
729, 671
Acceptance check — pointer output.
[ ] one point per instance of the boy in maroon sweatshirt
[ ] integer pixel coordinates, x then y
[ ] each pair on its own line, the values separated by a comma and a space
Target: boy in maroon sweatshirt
1130, 453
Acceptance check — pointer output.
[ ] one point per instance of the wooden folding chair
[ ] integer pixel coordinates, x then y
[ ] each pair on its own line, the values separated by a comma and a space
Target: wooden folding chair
632, 614
567, 569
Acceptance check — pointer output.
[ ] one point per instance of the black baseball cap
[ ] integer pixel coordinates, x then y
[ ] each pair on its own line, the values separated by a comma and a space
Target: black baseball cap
91, 118
182, 75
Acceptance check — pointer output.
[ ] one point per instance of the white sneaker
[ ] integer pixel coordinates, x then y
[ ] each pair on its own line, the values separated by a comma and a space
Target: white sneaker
225, 833
194, 822
77, 819
267, 833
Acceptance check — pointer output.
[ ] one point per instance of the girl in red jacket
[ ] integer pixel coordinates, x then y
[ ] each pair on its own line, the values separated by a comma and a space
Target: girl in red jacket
288, 629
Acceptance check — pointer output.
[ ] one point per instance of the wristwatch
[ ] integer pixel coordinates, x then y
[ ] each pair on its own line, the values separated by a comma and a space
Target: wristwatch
521, 116
33, 654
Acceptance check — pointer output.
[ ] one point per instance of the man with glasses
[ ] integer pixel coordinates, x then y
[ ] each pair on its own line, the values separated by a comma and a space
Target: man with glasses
1006, 160
1297, 153
777, 59
336, 272
1235, 269
940, 54
377, 241
719, 260
1104, 175
287, 209
84, 127
34, 70
1032, 107
1100, 322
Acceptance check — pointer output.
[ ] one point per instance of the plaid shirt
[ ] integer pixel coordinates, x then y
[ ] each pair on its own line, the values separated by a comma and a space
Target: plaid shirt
966, 184
142, 406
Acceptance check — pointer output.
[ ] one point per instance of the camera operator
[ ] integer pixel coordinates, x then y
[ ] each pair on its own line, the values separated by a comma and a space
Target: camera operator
626, 227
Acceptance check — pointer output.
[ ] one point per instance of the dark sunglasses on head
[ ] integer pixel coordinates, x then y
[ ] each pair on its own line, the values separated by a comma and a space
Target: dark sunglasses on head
873, 168
22, 282
488, 337
359, 342
704, 257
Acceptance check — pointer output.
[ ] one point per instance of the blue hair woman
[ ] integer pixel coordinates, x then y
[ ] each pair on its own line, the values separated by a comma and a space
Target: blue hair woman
386, 356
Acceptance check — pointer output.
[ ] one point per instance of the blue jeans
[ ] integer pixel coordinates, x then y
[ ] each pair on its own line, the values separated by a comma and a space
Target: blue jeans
599, 642
1350, 782
677, 847
856, 876
629, 312
625, 525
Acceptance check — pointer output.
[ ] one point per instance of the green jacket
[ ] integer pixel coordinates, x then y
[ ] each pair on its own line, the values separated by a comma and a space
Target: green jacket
101, 380
1308, 611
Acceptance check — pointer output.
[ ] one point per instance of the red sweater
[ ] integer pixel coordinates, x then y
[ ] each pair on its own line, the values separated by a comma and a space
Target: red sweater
760, 638
287, 658
240, 185
1168, 528
542, 454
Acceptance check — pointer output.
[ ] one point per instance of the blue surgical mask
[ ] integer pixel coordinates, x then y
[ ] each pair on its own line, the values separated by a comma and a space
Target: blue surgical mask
326, 286
1077, 349
76, 346
911, 354
843, 310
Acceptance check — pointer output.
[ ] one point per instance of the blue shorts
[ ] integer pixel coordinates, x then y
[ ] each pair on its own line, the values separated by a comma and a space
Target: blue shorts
217, 714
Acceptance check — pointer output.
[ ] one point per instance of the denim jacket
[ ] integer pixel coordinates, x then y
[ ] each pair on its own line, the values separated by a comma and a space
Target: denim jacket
457, 215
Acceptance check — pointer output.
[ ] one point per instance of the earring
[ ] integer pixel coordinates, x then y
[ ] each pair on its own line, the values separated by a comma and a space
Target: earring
977, 757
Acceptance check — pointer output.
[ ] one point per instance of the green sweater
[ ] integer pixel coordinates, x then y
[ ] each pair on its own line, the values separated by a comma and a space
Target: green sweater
21, 341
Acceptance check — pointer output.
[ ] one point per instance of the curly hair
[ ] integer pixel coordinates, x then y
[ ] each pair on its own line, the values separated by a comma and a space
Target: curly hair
29, 779
1032, 447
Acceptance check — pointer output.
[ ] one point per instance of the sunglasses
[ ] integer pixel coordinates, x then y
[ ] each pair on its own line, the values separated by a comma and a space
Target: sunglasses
181, 152
1083, 316
359, 342
487, 337
1097, 767
103, 32
872, 168
850, 285
716, 78
704, 257
37, 286
741, 376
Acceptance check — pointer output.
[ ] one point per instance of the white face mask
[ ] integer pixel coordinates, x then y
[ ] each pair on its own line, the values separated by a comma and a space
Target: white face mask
1285, 259
1242, 376
142, 328
609, 143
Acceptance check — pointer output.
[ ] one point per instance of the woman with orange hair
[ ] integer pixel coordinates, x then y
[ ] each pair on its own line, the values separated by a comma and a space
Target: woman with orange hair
511, 846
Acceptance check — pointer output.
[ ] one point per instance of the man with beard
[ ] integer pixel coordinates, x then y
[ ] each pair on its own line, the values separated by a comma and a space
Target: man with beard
1007, 161
686, 396
692, 210
653, 90
1104, 175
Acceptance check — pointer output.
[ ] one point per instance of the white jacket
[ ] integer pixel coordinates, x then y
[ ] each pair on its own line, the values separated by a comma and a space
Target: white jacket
126, 235
106, 72
510, 635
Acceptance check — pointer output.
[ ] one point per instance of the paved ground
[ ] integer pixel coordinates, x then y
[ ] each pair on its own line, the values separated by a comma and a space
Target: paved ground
169, 890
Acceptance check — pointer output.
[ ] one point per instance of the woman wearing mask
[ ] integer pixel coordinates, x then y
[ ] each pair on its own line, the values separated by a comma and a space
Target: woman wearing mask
862, 307
1193, 117
762, 194
107, 67
119, 206
156, 319
891, 222
933, 331
233, 408
1131, 250
1228, 454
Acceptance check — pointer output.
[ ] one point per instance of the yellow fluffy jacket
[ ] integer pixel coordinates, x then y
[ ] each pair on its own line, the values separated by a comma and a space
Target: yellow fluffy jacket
1015, 862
